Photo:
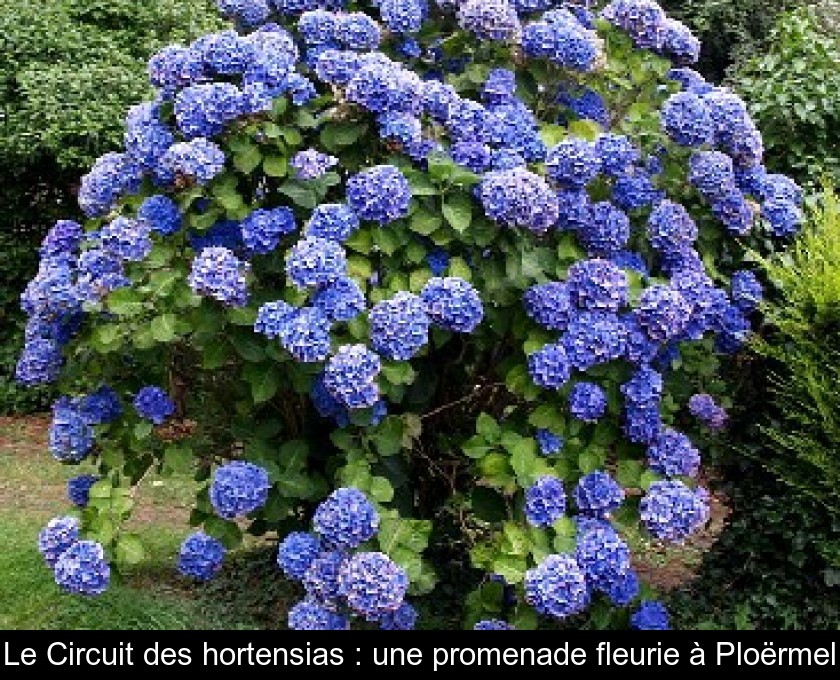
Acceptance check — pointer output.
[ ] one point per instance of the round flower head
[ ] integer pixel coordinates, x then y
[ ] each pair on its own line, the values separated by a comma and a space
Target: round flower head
82, 569
686, 119
403, 617
379, 194
64, 237
672, 454
549, 305
346, 519
574, 209
573, 163
126, 239
650, 615
671, 511
320, 580
153, 404
309, 615
59, 535
607, 231
712, 174
314, 262
663, 312
549, 366
332, 221
263, 229
218, 273
587, 402
783, 216
372, 584
403, 16
71, 436
597, 285
597, 494
594, 338
39, 363
311, 164
519, 198
550, 444
198, 160
350, 376
493, 624
557, 587
489, 19
545, 501
238, 488
604, 557
340, 301
623, 589
453, 304
399, 327
357, 31
201, 556
78, 489
616, 153
704, 408
670, 227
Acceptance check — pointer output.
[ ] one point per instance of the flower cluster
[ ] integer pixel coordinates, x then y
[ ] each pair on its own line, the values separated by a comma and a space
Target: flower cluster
238, 488
200, 556
79, 566
341, 584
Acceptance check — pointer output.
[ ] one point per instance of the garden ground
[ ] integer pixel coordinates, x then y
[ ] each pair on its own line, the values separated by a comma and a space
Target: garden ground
154, 596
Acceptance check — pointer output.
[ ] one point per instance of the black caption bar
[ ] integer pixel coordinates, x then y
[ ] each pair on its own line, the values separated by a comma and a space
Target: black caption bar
423, 650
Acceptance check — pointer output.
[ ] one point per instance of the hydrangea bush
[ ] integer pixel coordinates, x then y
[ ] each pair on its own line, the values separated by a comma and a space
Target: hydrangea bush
467, 262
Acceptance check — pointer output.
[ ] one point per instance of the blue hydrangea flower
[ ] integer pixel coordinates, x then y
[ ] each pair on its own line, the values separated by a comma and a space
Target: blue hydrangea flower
318, 27
519, 198
598, 495
350, 376
403, 16
58, 536
320, 580
249, 12
586, 104
226, 52
673, 454
597, 285
630, 259
735, 212
550, 443
574, 209
573, 163
549, 366
545, 501
198, 160
493, 624
602, 555
594, 338
112, 176
39, 363
311, 164
216, 272
372, 584
357, 31
549, 304
475, 156
489, 19
403, 617
296, 554
671, 511
238, 488
71, 436
263, 229
82, 569
223, 234
642, 424
587, 402
644, 388
557, 587
712, 173
63, 238
623, 589
200, 556
126, 239
161, 214
650, 615
643, 20
617, 154
336, 66
606, 232
78, 489
663, 312
342, 300
346, 519
438, 261
636, 190
146, 137
204, 110
379, 194
332, 221
499, 88
309, 615
707, 411
452, 304
686, 119
564, 42
671, 228
175, 66
271, 318
680, 44
399, 327
783, 216
314, 262
305, 334
153, 404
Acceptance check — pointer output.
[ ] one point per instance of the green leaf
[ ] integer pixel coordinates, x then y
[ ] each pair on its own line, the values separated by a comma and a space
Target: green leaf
425, 223
163, 328
276, 166
381, 490
143, 430
512, 568
457, 210
178, 459
388, 436
647, 478
300, 194
628, 473
225, 531
129, 549
337, 135
125, 302
590, 461
547, 417
246, 159
264, 384
487, 427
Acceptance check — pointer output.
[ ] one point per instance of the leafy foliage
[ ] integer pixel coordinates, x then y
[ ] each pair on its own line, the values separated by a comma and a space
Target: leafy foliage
793, 90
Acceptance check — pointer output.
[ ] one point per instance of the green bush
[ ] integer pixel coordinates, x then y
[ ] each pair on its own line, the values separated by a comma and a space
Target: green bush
68, 71
793, 91
801, 441
730, 30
